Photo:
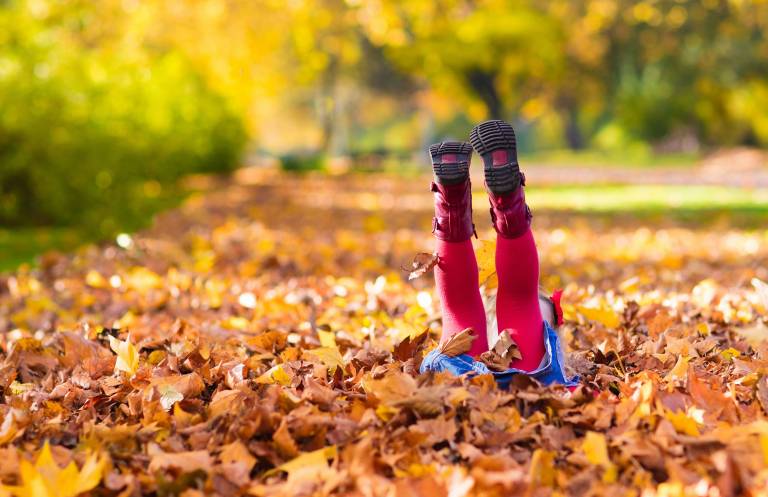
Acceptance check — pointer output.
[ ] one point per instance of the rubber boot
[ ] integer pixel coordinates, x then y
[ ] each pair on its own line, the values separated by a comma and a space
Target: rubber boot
453, 191
495, 142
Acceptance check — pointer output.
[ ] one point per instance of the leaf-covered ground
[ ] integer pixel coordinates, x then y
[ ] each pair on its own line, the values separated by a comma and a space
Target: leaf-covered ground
264, 340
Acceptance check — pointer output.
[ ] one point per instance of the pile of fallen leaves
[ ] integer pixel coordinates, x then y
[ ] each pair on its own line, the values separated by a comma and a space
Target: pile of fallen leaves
263, 340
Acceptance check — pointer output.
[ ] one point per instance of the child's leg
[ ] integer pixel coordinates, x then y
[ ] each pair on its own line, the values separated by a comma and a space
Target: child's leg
456, 278
517, 301
456, 274
517, 263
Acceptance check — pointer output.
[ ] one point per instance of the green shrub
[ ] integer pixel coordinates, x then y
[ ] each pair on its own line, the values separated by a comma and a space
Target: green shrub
302, 162
87, 136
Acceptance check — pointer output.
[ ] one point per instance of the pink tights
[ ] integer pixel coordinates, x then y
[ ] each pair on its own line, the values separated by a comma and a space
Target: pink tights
517, 304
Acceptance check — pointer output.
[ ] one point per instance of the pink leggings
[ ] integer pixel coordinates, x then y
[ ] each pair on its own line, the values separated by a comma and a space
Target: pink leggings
517, 302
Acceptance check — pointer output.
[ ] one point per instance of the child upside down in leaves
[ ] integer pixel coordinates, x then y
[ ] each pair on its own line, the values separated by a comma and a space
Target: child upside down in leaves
518, 309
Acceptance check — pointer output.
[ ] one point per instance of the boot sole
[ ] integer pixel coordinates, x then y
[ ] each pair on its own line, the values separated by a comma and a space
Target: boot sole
449, 148
488, 137
492, 135
452, 172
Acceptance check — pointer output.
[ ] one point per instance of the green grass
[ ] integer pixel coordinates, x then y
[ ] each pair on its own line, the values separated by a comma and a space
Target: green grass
20, 246
596, 158
638, 159
23, 245
620, 198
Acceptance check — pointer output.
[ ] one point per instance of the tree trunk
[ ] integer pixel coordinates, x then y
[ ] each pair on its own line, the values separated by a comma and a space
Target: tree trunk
572, 131
483, 84
327, 105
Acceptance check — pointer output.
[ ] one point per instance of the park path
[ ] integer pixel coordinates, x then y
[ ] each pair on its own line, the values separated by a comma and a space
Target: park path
744, 168
542, 174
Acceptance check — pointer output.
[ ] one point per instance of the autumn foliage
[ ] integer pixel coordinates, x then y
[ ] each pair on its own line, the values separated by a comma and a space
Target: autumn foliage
264, 340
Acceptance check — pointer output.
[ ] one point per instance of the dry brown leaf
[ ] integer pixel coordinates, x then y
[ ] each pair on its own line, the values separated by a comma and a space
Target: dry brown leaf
186, 462
237, 452
284, 442
188, 385
762, 392
506, 347
422, 263
229, 398
408, 348
458, 344
494, 361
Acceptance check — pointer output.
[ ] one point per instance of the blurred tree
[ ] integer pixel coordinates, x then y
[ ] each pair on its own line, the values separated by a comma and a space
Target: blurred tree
95, 120
335, 75
655, 66
497, 52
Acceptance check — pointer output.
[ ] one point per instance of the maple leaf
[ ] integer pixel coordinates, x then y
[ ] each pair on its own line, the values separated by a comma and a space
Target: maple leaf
686, 422
494, 361
327, 337
542, 468
236, 452
309, 465
185, 385
330, 356
506, 347
601, 313
458, 344
596, 450
45, 478
272, 341
169, 396
422, 263
679, 371
284, 442
762, 392
408, 347
276, 374
486, 263
186, 462
8, 428
127, 355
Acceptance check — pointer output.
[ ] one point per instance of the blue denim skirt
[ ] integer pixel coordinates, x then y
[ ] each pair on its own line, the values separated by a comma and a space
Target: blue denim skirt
551, 370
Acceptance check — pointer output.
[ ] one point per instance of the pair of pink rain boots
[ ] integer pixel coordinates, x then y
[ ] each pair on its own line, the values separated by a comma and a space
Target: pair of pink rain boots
495, 142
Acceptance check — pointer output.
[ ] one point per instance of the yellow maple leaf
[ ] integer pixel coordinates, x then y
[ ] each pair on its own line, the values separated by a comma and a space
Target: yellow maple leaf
327, 338
276, 374
307, 466
45, 478
486, 263
686, 422
542, 471
330, 356
703, 329
596, 450
601, 313
730, 353
679, 371
127, 355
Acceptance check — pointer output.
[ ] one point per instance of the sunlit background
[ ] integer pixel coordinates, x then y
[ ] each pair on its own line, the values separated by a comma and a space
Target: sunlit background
106, 105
